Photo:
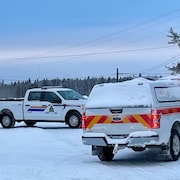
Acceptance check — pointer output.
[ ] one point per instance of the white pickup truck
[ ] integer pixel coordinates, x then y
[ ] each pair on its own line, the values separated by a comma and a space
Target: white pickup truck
46, 104
136, 114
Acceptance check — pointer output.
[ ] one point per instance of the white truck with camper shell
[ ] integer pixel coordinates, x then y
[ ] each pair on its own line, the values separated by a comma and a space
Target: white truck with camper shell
46, 104
136, 114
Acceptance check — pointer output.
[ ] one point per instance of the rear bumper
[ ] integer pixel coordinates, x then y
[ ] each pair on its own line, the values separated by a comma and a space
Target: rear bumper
134, 139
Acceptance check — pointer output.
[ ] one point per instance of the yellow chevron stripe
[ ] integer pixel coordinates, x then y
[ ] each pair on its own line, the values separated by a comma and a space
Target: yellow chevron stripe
141, 120
108, 120
94, 121
126, 120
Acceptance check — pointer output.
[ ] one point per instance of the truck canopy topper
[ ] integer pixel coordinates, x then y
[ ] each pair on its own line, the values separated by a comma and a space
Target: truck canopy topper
137, 114
120, 94
46, 104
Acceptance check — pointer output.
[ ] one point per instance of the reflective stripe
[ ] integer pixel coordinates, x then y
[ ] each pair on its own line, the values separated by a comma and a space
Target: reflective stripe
144, 119
171, 110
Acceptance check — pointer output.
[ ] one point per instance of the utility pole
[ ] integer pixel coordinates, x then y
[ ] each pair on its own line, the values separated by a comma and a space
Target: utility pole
117, 75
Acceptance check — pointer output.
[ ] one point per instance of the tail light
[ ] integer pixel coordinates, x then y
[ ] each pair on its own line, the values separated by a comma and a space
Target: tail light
83, 121
155, 119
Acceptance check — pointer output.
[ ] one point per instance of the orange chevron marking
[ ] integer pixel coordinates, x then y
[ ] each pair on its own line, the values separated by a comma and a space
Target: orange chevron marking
144, 119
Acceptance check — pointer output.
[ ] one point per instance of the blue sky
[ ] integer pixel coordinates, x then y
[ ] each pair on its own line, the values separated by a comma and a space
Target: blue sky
80, 38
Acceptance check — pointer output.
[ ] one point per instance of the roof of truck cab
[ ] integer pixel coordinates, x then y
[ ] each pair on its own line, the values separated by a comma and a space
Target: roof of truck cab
50, 89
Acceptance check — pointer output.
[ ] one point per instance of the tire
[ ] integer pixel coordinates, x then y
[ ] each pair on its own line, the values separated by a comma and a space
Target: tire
7, 121
30, 123
175, 145
106, 154
73, 119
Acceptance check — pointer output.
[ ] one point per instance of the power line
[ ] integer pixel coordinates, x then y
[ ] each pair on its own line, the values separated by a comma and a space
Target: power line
134, 31
106, 37
93, 53
46, 55
110, 35
171, 60
130, 28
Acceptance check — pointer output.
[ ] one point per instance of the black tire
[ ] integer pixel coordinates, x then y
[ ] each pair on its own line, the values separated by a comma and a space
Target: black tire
7, 121
175, 145
73, 119
30, 123
106, 154
138, 149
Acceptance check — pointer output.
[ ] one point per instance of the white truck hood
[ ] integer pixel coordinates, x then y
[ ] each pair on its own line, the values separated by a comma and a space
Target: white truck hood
79, 102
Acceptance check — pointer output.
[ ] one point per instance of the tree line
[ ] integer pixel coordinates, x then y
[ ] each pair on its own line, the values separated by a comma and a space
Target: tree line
83, 86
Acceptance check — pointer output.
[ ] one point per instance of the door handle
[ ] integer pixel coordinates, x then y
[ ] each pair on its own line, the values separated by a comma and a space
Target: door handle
115, 111
44, 105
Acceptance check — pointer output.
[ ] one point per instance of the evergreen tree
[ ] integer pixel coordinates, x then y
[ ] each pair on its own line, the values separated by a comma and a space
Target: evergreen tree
83, 86
174, 39
175, 69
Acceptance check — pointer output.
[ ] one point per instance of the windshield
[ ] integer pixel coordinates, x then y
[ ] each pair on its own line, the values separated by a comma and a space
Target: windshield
70, 95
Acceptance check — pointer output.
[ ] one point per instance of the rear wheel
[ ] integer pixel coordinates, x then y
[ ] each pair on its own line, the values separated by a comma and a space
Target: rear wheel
175, 144
7, 121
30, 123
106, 154
73, 119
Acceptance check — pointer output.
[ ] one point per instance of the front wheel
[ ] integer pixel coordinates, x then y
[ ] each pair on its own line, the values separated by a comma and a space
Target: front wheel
73, 119
175, 144
7, 121
106, 154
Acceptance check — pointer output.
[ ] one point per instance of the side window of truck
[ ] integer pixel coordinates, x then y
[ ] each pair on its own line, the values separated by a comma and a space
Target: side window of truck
167, 94
50, 97
34, 96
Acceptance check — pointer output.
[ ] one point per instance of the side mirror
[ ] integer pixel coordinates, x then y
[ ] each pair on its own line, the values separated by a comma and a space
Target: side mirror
85, 96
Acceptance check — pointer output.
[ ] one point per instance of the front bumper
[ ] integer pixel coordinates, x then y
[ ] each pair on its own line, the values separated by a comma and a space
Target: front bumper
134, 139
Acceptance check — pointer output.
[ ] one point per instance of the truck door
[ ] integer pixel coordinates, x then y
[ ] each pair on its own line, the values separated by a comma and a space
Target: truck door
43, 106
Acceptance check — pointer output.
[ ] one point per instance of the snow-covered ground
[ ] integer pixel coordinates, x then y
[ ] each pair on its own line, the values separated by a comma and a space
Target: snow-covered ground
55, 152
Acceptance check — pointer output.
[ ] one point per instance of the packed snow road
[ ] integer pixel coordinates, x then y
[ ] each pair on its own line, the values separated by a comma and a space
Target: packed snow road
54, 151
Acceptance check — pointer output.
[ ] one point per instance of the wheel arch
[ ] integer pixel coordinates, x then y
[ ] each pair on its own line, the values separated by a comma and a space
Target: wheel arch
174, 144
6, 111
176, 126
69, 112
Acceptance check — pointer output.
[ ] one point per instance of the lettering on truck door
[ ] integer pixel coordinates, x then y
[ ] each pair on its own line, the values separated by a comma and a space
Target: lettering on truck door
43, 106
